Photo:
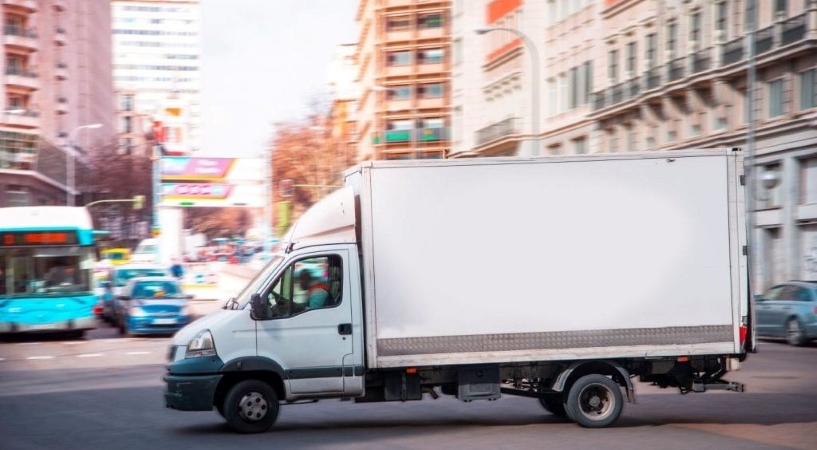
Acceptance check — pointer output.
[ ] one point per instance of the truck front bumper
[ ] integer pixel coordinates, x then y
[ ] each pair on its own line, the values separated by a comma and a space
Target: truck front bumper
191, 392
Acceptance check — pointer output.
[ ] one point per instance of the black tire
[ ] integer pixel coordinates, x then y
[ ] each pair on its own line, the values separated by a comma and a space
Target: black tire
594, 401
795, 334
251, 406
554, 404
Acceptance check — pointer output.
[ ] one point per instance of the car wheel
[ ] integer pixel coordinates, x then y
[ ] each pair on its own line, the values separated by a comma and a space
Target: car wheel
594, 401
553, 404
794, 332
251, 406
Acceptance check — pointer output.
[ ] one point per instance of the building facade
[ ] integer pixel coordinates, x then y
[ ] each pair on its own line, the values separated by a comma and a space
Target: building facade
404, 56
157, 62
55, 83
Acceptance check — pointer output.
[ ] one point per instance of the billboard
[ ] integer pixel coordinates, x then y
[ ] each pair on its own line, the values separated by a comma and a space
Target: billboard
212, 182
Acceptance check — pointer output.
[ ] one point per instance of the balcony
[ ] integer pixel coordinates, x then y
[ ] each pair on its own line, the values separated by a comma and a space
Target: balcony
764, 40
61, 71
62, 105
23, 119
652, 78
399, 71
60, 37
22, 80
26, 6
21, 39
507, 127
432, 134
794, 30
675, 69
421, 135
702, 61
732, 51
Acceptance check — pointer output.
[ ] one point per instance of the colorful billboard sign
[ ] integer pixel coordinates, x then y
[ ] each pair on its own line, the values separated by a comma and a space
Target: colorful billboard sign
185, 168
212, 195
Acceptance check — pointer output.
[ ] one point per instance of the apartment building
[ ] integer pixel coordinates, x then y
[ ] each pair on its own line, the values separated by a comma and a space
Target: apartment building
677, 76
405, 74
55, 83
343, 115
157, 67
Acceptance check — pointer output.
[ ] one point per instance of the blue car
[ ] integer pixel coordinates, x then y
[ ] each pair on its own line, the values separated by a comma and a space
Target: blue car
153, 305
788, 310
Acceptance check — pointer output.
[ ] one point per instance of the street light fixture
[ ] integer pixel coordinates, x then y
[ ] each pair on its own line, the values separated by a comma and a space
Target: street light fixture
534, 58
71, 157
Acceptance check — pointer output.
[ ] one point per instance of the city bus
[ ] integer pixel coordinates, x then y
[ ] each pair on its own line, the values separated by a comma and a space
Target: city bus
47, 258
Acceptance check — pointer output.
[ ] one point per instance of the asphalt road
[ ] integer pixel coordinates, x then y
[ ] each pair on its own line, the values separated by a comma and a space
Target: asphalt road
71, 401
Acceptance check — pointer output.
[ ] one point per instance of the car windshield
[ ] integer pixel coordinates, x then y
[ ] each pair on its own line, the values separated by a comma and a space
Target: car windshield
124, 275
156, 289
243, 298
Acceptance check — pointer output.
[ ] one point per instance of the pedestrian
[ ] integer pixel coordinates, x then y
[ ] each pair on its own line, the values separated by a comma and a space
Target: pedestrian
176, 268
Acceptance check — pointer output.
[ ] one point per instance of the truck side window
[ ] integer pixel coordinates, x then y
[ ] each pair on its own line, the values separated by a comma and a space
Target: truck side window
310, 283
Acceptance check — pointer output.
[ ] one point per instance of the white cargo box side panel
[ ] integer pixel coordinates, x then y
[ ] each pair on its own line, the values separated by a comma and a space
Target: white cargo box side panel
550, 258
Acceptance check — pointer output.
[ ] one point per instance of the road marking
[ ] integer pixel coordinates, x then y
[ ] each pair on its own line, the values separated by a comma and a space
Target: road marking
2, 359
137, 353
40, 357
89, 355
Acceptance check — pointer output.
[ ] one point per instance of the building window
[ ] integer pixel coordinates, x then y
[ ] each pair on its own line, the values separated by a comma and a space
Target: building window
580, 146
649, 54
127, 103
588, 81
808, 193
398, 23
431, 56
426, 21
126, 125
402, 58
721, 10
612, 66
631, 59
573, 81
808, 89
775, 89
750, 16
430, 90
399, 92
695, 27
672, 38
781, 9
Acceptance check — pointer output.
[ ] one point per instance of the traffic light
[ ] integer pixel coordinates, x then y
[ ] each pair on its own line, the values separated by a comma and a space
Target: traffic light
138, 201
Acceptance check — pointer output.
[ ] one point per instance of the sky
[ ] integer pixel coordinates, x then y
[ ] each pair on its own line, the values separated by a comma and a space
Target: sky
262, 63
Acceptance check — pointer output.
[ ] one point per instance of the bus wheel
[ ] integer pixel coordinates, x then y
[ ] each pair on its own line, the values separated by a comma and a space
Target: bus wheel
594, 401
251, 406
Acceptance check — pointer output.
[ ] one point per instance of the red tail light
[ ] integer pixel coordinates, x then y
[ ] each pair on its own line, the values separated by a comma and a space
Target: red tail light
742, 331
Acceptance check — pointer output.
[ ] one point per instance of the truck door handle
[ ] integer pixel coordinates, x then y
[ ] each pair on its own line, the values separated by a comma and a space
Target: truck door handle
345, 328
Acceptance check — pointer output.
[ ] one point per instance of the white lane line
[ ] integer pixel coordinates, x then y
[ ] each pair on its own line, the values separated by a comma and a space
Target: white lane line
2, 359
89, 355
137, 353
40, 357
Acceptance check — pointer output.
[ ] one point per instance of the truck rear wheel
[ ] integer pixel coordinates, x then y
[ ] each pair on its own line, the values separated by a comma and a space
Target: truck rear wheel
250, 406
594, 401
553, 404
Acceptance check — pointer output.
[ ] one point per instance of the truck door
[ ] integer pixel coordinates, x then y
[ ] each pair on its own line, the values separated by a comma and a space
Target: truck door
309, 333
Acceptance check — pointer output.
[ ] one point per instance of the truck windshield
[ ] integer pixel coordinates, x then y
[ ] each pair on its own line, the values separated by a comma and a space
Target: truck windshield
242, 299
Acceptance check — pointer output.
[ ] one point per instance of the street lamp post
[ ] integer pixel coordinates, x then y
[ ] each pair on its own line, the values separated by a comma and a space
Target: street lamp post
71, 161
534, 58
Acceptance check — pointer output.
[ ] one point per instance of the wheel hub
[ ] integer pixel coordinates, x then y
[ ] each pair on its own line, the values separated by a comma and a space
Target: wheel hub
253, 406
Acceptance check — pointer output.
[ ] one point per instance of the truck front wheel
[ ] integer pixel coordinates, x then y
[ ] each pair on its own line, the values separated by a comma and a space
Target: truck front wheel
251, 406
594, 401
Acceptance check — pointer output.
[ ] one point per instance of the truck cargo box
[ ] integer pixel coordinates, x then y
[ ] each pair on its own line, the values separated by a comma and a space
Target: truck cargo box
555, 258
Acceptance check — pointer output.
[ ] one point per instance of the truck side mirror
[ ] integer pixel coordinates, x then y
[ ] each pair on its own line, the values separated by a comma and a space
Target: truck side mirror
260, 307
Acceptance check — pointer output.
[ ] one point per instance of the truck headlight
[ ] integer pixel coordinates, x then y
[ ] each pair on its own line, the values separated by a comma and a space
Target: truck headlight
201, 345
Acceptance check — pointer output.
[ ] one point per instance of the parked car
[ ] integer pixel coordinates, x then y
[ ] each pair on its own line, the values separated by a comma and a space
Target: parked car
118, 278
153, 305
788, 310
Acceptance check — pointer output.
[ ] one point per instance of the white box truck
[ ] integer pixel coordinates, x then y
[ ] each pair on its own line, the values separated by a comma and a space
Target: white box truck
559, 278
